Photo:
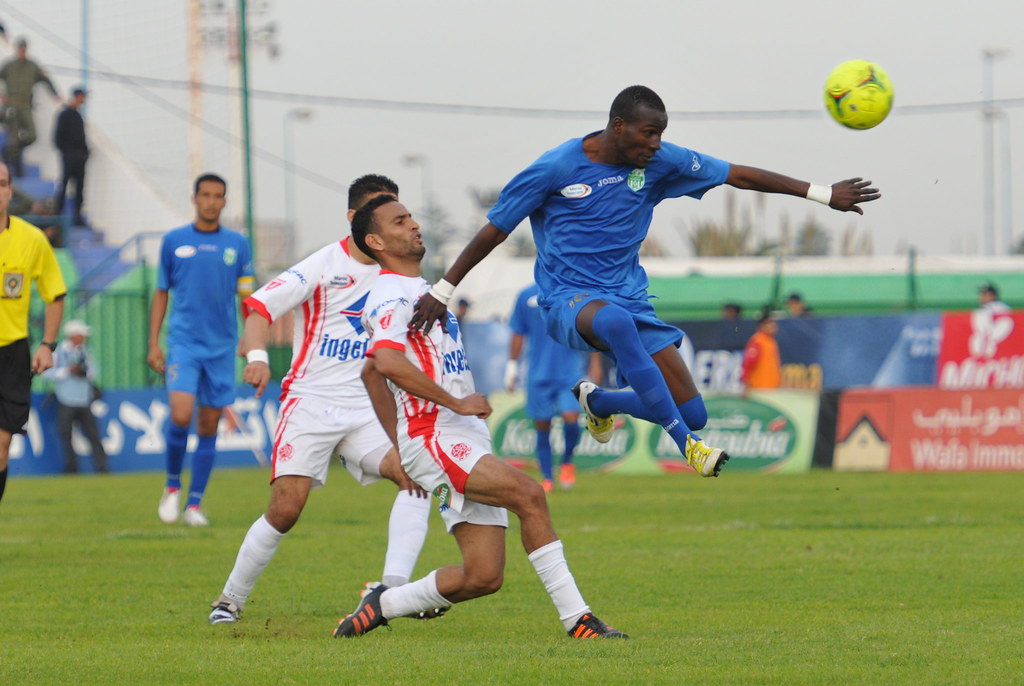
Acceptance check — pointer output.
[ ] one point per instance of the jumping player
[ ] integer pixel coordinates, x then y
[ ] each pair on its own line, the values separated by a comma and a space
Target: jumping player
590, 202
445, 446
324, 406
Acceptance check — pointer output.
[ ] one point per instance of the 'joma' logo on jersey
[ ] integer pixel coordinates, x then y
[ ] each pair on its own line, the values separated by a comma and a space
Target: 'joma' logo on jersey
610, 180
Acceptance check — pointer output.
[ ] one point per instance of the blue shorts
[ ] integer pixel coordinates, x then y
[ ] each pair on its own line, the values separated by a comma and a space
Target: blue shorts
548, 398
210, 379
562, 308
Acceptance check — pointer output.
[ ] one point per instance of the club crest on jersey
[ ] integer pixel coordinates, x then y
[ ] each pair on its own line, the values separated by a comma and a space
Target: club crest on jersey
230, 255
13, 282
385, 321
636, 179
576, 190
460, 451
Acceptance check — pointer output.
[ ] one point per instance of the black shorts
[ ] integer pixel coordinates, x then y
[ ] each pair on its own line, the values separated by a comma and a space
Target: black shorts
15, 386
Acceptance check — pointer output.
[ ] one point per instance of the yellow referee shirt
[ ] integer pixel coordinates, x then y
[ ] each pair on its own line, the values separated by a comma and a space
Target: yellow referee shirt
25, 257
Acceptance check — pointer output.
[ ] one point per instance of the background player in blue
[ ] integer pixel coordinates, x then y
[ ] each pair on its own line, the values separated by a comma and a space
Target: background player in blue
207, 267
551, 371
590, 202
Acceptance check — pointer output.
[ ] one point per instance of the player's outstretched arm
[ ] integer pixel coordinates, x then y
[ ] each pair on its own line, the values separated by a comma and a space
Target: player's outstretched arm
844, 196
394, 365
433, 306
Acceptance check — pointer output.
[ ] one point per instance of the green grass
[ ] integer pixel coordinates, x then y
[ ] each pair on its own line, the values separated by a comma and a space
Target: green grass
747, 579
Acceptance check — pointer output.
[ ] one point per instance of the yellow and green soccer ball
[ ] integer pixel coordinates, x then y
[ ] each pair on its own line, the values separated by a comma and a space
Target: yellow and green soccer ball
858, 94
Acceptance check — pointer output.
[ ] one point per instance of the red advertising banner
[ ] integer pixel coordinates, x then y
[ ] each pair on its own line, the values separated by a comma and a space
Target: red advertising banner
981, 349
927, 430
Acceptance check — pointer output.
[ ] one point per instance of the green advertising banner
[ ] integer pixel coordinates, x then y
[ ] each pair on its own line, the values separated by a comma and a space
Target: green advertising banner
771, 431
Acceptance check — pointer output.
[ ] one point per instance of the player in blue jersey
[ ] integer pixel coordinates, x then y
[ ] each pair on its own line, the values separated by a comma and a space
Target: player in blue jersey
551, 370
207, 267
590, 202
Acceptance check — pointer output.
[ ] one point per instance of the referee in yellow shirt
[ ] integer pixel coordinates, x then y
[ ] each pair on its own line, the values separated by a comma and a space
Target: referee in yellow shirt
25, 257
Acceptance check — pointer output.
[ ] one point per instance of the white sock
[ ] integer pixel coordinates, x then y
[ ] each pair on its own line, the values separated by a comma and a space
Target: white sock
553, 570
257, 551
417, 596
407, 531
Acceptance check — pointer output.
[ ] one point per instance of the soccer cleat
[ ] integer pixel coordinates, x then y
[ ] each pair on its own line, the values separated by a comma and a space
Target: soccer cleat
367, 616
194, 516
599, 427
435, 613
548, 485
704, 459
589, 626
223, 613
567, 476
169, 509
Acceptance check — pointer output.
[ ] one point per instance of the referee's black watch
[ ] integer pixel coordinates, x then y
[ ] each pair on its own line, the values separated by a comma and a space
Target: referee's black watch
51, 346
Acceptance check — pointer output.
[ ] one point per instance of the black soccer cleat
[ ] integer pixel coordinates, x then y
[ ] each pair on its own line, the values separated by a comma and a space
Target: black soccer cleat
367, 616
589, 626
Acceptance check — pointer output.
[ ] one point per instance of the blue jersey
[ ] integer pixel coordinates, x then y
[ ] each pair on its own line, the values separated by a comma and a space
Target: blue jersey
205, 271
547, 359
589, 219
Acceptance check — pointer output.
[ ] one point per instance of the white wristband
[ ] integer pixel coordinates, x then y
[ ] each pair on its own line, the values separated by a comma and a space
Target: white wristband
257, 356
822, 194
442, 291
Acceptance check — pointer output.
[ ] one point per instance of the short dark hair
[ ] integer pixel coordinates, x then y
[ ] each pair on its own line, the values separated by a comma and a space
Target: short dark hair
632, 98
990, 288
369, 184
363, 222
208, 177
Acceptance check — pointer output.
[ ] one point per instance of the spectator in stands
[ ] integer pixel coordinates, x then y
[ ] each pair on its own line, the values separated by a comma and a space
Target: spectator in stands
74, 371
69, 138
988, 298
20, 76
25, 257
762, 367
461, 309
731, 311
796, 306
47, 222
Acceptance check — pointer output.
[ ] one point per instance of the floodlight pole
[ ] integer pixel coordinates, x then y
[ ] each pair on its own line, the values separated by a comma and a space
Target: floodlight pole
243, 59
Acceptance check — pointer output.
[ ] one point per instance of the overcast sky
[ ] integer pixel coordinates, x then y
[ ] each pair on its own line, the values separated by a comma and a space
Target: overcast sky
568, 56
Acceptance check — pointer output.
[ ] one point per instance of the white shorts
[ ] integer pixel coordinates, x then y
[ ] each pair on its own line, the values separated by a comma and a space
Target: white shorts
441, 462
310, 431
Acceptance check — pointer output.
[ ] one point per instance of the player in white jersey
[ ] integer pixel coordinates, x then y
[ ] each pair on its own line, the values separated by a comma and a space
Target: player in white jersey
438, 420
325, 409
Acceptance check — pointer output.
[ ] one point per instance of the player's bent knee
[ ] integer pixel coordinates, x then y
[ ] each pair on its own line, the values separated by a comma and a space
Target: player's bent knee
478, 585
694, 413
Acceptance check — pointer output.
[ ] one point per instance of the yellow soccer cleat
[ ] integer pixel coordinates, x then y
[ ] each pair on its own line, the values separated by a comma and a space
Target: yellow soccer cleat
704, 459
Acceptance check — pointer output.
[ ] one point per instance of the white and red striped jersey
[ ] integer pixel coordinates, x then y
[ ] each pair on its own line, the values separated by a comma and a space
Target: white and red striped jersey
439, 355
327, 291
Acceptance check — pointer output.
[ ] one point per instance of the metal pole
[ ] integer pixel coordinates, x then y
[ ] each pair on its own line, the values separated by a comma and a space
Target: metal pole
988, 143
1007, 186
243, 57
85, 45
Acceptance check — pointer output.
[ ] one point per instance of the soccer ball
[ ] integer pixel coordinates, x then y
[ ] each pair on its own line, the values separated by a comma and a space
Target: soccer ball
858, 94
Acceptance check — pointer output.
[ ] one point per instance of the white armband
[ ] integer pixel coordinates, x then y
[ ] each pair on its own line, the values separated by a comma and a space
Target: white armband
822, 194
442, 291
257, 356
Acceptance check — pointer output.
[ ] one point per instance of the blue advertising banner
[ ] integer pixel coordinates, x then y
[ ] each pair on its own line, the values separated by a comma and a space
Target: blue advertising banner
828, 353
132, 425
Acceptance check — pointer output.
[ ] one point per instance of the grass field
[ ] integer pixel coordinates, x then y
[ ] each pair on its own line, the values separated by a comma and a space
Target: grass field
747, 579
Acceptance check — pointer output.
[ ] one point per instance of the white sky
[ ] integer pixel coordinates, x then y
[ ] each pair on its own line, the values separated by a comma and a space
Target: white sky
724, 56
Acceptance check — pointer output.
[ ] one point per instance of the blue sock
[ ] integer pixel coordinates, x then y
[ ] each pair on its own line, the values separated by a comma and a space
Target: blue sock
177, 440
616, 328
544, 452
202, 465
571, 430
694, 413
